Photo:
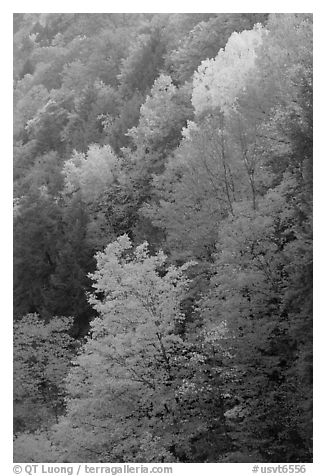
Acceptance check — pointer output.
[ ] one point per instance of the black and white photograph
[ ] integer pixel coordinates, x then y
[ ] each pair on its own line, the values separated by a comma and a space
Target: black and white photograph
162, 240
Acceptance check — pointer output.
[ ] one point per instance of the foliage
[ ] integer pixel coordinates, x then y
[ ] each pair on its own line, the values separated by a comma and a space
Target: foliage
134, 339
197, 190
46, 126
27, 100
42, 353
188, 133
51, 258
35, 448
91, 173
36, 230
254, 274
161, 118
205, 40
141, 67
68, 284
218, 81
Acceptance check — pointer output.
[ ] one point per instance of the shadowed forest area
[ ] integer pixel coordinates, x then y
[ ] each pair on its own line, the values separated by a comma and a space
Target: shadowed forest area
163, 237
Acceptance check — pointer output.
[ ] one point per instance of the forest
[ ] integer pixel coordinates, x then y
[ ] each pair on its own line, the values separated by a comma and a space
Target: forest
162, 185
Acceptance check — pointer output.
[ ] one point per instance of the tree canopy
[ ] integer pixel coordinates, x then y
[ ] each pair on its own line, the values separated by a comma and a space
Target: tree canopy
163, 237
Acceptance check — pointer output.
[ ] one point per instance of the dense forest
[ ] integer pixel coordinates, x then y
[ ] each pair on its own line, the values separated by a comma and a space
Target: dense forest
162, 237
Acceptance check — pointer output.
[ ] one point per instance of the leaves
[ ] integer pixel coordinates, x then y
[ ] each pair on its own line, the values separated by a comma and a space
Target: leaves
91, 173
42, 357
131, 343
144, 142
218, 82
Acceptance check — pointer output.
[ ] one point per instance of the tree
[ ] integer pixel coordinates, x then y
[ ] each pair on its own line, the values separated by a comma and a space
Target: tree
35, 447
178, 26
44, 173
23, 44
95, 181
142, 65
138, 390
27, 100
36, 231
116, 127
93, 104
254, 276
42, 354
218, 81
192, 133
66, 294
162, 117
90, 173
197, 190
205, 40
132, 343
285, 95
47, 125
